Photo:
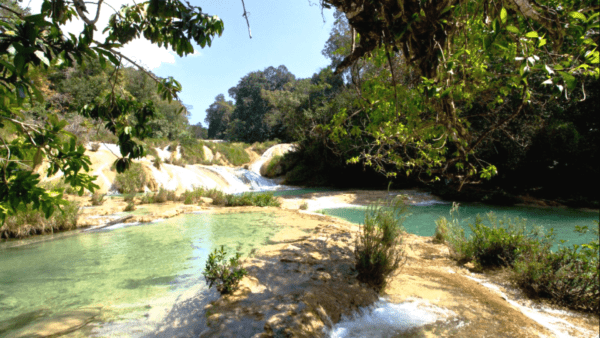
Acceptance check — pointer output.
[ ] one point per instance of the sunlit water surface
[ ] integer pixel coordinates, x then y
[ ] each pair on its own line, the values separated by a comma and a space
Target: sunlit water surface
137, 275
420, 220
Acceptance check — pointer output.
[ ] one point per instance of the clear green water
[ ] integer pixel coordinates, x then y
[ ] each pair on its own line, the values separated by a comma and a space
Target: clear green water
125, 270
421, 219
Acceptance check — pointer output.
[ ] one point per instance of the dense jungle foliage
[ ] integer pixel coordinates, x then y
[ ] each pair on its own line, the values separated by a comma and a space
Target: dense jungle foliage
524, 130
454, 92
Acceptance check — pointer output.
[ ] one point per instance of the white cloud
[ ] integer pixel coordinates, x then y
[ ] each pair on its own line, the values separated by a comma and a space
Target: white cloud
140, 50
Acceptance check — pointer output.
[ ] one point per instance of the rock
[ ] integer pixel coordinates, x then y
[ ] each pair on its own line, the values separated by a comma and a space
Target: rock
60, 324
208, 154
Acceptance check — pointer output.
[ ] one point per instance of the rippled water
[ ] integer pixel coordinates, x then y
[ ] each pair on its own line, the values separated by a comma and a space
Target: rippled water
137, 275
420, 220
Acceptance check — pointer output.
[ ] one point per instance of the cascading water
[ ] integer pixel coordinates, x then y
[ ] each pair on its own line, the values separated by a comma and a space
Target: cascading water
385, 319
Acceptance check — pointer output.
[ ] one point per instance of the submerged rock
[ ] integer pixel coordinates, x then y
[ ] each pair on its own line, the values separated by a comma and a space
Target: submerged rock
58, 325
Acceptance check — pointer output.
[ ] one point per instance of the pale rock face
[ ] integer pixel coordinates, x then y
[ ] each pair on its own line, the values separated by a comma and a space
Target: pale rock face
260, 165
208, 155
176, 178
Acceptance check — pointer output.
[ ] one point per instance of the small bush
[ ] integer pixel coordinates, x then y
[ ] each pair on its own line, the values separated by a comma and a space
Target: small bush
260, 148
488, 247
226, 276
503, 242
192, 196
250, 199
130, 207
128, 197
161, 196
233, 152
274, 168
157, 162
97, 199
378, 251
147, 199
304, 206
178, 162
192, 151
59, 186
453, 234
133, 180
27, 221
569, 277
95, 146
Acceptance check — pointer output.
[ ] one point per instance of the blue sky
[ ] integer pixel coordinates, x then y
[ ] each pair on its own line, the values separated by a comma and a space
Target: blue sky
290, 33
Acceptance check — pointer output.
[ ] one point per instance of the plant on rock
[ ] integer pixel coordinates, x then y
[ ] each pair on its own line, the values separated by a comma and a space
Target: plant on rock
225, 275
378, 251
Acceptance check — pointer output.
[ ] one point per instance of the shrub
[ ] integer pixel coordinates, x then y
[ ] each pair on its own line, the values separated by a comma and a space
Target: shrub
453, 234
503, 242
260, 148
178, 162
192, 196
161, 196
304, 206
250, 199
488, 247
132, 180
28, 221
569, 277
226, 276
130, 207
147, 199
233, 152
217, 196
192, 151
274, 167
97, 198
128, 197
378, 251
157, 162
95, 146
59, 186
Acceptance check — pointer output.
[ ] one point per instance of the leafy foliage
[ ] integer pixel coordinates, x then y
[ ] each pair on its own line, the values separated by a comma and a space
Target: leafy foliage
569, 277
378, 251
36, 42
131, 181
28, 221
424, 66
224, 275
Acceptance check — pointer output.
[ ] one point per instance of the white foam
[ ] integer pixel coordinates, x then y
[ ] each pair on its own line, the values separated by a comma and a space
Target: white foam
385, 319
559, 327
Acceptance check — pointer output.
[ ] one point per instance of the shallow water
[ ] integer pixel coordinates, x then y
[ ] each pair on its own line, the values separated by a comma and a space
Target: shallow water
420, 220
384, 319
134, 273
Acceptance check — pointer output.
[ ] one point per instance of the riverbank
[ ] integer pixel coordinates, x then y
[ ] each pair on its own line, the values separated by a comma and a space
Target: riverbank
303, 280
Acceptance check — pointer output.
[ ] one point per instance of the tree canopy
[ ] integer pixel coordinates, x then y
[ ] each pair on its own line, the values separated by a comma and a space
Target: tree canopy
36, 42
500, 55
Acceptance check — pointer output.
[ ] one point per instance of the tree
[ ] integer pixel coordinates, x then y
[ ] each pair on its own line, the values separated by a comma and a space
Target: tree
218, 116
251, 106
462, 53
28, 42
198, 131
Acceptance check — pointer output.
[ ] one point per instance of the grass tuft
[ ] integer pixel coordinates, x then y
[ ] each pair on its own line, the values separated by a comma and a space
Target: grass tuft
378, 251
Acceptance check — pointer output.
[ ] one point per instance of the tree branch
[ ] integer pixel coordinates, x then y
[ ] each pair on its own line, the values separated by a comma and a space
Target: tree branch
245, 15
20, 15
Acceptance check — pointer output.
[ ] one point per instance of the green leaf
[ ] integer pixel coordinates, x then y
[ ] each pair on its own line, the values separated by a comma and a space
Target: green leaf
40, 55
512, 29
503, 15
577, 15
532, 34
569, 79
